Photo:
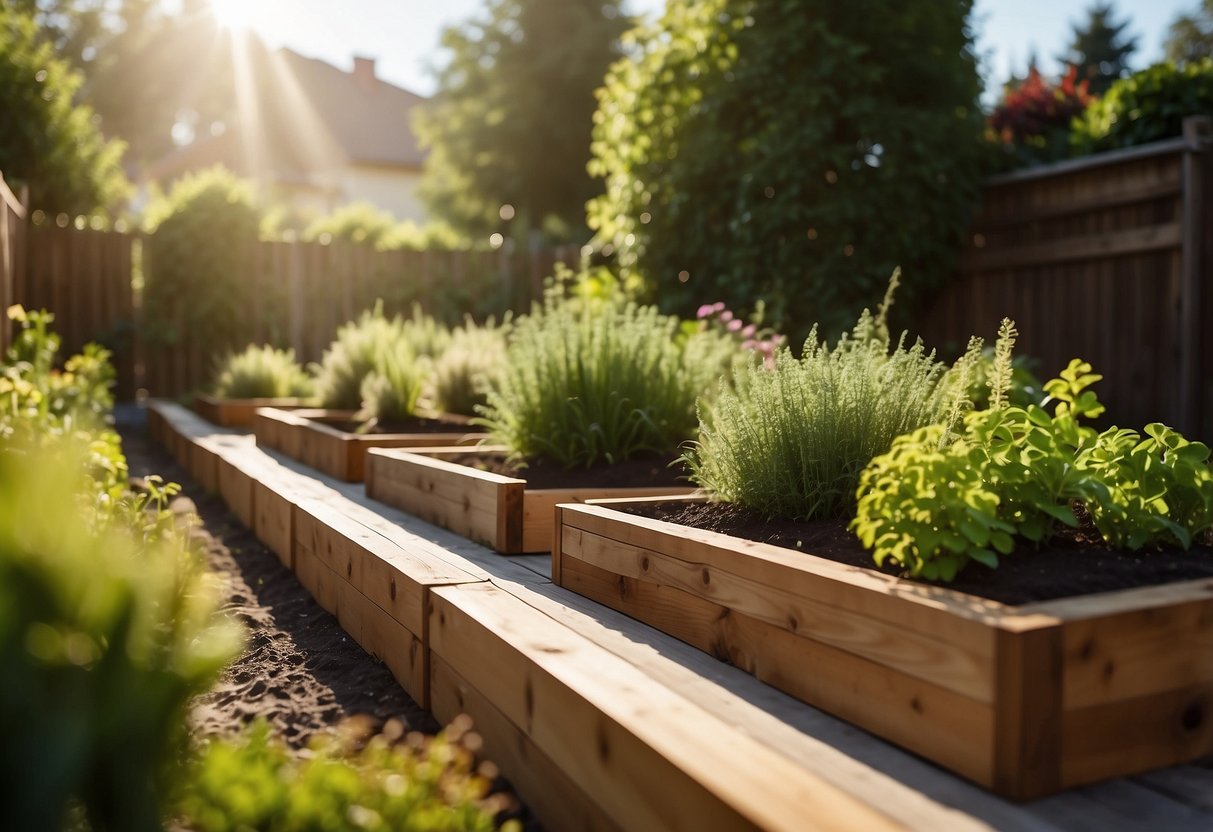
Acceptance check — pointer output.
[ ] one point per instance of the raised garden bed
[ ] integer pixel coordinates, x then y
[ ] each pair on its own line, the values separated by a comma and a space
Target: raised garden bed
499, 511
1024, 700
238, 413
325, 440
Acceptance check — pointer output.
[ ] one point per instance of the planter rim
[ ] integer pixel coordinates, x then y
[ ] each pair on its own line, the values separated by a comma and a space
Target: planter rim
1004, 616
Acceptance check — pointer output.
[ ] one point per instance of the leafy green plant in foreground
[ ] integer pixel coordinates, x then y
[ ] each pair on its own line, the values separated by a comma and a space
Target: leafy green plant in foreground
936, 501
386, 782
261, 372
791, 440
105, 636
588, 381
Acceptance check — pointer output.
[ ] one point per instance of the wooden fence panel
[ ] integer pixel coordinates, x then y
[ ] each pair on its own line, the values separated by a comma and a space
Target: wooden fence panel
1106, 259
12, 256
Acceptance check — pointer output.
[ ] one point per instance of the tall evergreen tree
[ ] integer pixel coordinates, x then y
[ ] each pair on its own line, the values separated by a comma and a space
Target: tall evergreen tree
1100, 48
511, 122
1190, 37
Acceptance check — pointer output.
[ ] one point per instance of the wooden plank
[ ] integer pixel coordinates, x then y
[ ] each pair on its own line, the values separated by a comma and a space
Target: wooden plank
236, 489
539, 508
683, 770
204, 467
272, 509
965, 670
944, 726
555, 798
238, 412
1090, 247
1028, 712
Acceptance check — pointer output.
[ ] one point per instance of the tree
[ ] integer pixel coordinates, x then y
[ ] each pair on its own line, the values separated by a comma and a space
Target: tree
790, 151
510, 124
1190, 37
1100, 48
47, 141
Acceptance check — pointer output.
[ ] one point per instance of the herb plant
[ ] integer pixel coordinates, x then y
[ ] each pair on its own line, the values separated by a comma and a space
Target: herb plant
790, 440
261, 372
357, 351
391, 391
386, 782
595, 381
467, 368
937, 501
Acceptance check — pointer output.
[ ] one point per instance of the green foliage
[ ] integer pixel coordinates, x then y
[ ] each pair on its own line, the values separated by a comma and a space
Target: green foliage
358, 350
345, 782
358, 222
197, 280
1100, 49
390, 392
426, 336
510, 123
1190, 36
932, 505
261, 372
46, 140
723, 179
588, 381
107, 626
1147, 106
468, 368
790, 441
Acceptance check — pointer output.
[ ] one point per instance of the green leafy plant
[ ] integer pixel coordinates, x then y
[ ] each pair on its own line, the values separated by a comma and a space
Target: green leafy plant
106, 633
468, 367
385, 782
357, 351
425, 335
791, 440
937, 501
1147, 106
261, 372
595, 381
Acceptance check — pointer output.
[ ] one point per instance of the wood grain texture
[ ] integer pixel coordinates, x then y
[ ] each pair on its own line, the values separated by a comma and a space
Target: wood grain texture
238, 412
683, 770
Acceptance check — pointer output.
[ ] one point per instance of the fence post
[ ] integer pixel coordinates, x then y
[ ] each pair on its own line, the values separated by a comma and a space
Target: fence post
12, 236
1195, 340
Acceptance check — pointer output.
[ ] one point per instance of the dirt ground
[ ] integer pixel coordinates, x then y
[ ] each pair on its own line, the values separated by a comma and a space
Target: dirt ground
300, 672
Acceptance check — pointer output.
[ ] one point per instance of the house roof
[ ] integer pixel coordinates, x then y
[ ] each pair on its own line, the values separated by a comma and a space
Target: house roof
310, 116
369, 119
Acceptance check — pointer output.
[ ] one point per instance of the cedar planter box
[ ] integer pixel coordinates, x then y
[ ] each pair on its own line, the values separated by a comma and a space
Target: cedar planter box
237, 413
1024, 700
497, 511
313, 437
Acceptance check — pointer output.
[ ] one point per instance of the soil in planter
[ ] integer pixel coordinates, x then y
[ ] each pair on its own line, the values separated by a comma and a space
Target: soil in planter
1065, 567
640, 472
300, 671
419, 424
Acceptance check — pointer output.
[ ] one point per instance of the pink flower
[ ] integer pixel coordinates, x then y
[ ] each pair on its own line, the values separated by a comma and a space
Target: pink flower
704, 311
726, 316
734, 325
749, 331
718, 306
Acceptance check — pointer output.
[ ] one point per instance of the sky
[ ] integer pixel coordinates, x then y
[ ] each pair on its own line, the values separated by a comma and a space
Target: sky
403, 35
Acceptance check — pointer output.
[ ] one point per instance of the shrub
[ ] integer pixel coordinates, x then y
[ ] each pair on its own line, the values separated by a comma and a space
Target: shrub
357, 222
382, 783
587, 382
261, 372
793, 151
356, 352
426, 336
935, 502
1147, 106
1032, 122
790, 441
197, 276
467, 369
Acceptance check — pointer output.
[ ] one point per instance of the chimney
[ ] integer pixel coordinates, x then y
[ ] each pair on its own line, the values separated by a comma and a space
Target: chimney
364, 71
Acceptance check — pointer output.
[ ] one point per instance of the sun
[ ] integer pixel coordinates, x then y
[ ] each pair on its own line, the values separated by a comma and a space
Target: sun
238, 14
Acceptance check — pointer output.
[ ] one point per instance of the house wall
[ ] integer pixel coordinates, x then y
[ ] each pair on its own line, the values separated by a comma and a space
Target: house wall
392, 189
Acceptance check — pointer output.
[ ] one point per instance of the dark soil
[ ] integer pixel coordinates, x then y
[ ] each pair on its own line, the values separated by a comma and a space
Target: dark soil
1066, 566
641, 472
300, 672
451, 425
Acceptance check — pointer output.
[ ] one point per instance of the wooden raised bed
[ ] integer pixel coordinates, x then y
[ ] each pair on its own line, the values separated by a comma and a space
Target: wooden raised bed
497, 511
1024, 700
309, 436
238, 413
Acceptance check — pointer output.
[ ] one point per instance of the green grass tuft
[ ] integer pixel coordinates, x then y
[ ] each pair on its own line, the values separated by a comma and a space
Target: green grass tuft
262, 372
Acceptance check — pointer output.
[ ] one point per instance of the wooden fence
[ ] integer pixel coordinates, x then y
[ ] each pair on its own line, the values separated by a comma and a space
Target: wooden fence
12, 250
1108, 258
